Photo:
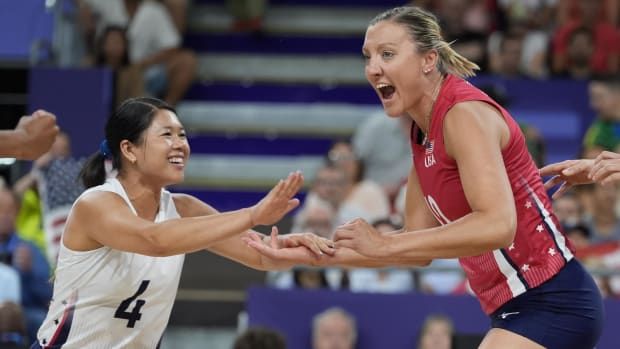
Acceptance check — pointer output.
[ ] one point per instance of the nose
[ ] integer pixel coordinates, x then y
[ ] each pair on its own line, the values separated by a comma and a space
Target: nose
180, 142
372, 68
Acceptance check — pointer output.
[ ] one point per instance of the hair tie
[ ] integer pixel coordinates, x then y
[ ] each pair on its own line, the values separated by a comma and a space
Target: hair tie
104, 149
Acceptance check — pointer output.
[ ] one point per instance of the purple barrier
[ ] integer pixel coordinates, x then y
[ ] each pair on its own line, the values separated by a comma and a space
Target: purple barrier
80, 98
21, 24
384, 321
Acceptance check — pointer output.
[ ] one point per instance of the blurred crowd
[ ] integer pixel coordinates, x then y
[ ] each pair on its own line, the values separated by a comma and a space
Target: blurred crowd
536, 39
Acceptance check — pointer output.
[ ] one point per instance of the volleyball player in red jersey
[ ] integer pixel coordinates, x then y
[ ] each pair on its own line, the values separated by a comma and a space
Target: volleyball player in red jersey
474, 193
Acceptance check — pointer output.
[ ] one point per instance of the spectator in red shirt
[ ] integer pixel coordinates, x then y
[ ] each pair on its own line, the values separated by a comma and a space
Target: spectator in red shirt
604, 59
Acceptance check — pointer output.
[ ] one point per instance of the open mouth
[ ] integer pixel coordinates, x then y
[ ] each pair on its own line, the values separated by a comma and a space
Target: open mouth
386, 91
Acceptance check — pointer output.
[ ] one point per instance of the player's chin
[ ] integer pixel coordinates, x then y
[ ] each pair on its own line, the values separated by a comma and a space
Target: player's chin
392, 111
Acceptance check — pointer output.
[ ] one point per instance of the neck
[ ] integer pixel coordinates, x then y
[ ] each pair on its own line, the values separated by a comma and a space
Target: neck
429, 103
144, 197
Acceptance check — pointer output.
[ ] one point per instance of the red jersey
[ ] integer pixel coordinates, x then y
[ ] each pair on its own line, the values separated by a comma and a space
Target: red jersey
539, 249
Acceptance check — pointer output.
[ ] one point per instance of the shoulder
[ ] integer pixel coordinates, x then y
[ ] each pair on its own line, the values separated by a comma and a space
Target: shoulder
190, 206
472, 111
471, 121
97, 202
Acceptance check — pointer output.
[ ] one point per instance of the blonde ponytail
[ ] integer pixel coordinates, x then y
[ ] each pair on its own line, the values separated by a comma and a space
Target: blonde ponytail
452, 62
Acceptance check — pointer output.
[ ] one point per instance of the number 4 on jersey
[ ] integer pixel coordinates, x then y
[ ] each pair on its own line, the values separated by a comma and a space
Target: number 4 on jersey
133, 315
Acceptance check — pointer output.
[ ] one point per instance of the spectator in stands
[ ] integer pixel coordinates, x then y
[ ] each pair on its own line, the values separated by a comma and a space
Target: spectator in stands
178, 12
327, 186
572, 10
509, 58
605, 57
361, 195
334, 328
112, 51
579, 234
13, 333
579, 51
604, 223
32, 136
260, 338
247, 15
568, 209
9, 279
317, 217
56, 178
436, 332
386, 159
529, 20
467, 24
155, 43
28, 261
603, 133
309, 278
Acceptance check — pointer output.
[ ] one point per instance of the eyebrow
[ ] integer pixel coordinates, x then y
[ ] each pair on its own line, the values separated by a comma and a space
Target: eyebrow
381, 46
170, 128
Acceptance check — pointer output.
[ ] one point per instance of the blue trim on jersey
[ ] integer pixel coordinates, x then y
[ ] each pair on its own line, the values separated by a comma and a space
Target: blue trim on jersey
548, 228
515, 267
62, 332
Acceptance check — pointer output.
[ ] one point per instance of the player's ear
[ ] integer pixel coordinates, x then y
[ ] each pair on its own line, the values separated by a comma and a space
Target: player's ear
128, 151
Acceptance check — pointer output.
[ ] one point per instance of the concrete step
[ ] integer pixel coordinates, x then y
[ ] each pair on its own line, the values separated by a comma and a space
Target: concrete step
325, 70
295, 19
273, 119
249, 172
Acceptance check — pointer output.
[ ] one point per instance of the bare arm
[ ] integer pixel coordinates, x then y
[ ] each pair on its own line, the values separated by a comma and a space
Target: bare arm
474, 134
235, 247
118, 228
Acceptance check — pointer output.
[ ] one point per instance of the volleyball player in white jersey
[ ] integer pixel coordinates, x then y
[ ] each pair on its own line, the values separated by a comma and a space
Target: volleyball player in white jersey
122, 249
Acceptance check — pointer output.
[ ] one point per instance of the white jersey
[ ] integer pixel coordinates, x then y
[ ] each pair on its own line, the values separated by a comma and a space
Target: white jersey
106, 298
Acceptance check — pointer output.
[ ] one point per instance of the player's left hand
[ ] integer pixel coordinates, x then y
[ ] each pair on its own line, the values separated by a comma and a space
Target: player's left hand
361, 237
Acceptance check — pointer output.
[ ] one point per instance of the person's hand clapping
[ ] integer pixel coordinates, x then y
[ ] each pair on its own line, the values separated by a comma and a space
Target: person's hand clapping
278, 202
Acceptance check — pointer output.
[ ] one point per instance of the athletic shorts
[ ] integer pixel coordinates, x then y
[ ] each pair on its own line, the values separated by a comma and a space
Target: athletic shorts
565, 312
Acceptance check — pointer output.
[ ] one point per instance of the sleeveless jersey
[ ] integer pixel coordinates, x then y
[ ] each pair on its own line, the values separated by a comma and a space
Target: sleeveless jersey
106, 298
539, 249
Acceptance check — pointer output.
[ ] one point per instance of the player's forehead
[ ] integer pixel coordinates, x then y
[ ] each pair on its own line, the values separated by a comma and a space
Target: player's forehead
165, 119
